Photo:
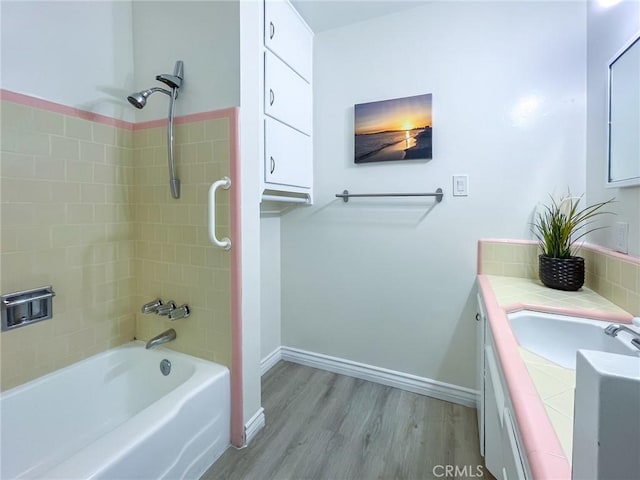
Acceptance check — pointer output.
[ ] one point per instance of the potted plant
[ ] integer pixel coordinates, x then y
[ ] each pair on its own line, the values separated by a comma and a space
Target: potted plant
558, 227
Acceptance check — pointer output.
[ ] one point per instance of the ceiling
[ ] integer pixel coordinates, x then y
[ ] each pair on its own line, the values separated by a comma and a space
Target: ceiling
327, 14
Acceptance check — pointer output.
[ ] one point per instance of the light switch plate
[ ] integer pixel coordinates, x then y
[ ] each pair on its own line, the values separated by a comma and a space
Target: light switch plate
460, 185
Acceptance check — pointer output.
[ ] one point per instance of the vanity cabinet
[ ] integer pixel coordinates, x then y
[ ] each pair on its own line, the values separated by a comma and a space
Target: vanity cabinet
500, 442
287, 104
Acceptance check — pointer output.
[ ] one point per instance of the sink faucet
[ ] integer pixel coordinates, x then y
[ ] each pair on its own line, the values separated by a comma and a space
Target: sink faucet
614, 329
164, 337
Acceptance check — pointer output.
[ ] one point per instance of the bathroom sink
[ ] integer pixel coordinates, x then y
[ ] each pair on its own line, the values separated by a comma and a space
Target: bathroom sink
558, 337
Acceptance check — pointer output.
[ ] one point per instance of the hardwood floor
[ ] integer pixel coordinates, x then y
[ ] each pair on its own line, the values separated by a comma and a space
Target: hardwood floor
325, 426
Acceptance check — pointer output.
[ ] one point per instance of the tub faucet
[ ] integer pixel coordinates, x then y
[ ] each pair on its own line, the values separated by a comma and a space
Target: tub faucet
182, 311
152, 307
614, 329
166, 309
164, 337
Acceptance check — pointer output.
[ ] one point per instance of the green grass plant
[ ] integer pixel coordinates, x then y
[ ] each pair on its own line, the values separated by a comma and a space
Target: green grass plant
560, 225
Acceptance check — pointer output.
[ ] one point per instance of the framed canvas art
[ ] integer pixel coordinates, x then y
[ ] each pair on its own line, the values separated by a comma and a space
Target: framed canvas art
393, 130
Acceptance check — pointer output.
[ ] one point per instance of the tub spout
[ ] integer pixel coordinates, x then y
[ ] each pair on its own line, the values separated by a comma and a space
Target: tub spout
164, 337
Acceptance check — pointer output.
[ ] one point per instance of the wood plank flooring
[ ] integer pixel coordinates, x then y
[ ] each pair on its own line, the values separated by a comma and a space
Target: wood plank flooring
324, 426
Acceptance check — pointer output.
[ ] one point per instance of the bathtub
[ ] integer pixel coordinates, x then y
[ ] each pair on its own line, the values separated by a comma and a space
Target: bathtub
558, 337
116, 416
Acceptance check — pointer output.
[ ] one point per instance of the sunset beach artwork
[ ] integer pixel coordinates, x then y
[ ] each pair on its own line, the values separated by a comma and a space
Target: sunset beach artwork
391, 130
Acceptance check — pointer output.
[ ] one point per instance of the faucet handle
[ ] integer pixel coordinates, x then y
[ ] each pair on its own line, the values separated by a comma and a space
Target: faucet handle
612, 329
182, 311
166, 309
152, 307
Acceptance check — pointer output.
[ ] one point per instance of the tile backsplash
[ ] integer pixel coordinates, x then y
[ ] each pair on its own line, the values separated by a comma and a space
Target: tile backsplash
614, 276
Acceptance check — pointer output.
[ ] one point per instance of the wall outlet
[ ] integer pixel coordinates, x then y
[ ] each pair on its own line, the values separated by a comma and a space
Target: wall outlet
621, 237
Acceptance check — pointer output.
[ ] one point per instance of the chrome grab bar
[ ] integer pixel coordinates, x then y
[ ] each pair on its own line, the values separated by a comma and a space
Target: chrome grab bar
345, 195
224, 182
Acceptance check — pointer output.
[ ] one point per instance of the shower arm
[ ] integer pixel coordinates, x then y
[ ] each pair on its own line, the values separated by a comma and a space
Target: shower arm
174, 182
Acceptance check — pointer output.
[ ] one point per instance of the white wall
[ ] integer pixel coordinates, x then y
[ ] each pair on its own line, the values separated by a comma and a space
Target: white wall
78, 54
391, 282
250, 102
205, 36
608, 29
270, 279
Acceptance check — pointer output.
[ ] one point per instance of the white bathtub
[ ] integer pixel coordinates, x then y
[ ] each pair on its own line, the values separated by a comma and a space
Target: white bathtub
558, 337
116, 416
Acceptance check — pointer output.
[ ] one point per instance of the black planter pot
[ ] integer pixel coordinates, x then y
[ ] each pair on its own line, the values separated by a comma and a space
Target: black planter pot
562, 273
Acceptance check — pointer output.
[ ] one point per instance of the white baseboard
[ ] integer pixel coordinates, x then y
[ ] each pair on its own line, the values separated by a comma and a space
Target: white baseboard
391, 378
270, 360
254, 425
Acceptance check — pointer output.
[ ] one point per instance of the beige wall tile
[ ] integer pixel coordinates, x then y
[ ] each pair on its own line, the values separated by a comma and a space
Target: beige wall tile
86, 207
49, 236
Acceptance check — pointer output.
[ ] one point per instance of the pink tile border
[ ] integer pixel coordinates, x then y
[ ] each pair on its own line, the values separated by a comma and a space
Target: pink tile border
571, 312
237, 421
42, 104
193, 117
237, 402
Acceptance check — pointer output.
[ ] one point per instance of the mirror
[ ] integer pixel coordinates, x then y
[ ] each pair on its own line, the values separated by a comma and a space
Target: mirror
623, 166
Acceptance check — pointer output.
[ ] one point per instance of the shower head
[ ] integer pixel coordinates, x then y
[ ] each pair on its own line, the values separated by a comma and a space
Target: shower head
139, 99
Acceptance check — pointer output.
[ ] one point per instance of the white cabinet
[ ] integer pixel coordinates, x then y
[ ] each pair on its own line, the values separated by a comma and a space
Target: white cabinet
511, 455
493, 411
287, 96
481, 320
287, 89
286, 35
499, 438
288, 155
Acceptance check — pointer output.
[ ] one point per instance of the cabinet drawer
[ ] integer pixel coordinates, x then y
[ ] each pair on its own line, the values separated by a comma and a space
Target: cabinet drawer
288, 155
287, 97
286, 35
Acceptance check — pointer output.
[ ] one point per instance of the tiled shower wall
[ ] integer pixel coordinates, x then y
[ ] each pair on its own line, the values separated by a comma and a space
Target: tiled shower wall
174, 258
86, 208
67, 222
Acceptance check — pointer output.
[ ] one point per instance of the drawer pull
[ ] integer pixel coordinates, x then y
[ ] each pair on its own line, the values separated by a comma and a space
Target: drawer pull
273, 165
477, 317
272, 30
272, 97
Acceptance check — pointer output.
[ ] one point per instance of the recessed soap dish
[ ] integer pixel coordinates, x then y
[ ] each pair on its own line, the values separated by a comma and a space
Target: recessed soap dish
26, 307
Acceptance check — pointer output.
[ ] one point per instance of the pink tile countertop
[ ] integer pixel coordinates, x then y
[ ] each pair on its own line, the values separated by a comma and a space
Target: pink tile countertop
504, 295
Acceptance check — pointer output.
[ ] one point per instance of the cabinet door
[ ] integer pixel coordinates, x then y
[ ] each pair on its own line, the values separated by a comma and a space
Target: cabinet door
286, 35
288, 155
287, 97
481, 319
512, 469
493, 410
